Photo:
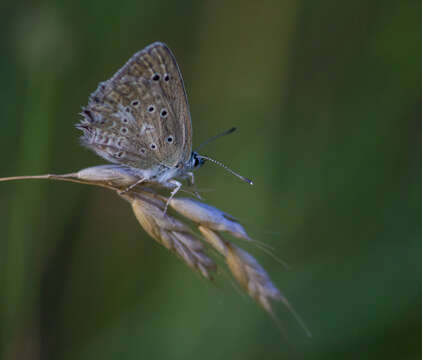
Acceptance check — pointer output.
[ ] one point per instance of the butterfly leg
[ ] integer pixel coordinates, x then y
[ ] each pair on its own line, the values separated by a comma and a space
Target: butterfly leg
191, 182
174, 192
191, 178
132, 186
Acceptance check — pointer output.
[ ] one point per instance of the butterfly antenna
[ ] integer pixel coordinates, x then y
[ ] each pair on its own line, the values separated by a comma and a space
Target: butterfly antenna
227, 132
227, 168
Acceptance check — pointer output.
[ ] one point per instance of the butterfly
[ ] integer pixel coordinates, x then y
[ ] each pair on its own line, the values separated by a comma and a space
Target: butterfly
140, 119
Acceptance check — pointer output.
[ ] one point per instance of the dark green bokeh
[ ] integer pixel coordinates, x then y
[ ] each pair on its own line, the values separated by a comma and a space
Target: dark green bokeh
327, 98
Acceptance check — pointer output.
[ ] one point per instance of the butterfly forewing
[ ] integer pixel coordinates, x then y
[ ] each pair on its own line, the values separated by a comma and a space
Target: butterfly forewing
140, 117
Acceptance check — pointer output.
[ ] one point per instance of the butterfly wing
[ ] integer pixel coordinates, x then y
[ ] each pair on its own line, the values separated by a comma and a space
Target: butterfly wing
140, 117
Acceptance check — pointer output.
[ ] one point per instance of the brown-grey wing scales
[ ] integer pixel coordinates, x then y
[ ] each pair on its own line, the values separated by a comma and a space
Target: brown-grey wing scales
140, 117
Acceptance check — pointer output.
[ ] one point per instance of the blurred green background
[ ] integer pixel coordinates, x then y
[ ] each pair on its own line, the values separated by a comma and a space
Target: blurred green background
327, 97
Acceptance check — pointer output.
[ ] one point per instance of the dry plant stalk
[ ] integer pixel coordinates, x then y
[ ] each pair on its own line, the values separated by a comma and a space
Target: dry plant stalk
149, 208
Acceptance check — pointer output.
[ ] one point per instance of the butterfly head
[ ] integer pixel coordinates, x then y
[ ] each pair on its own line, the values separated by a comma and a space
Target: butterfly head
182, 168
196, 161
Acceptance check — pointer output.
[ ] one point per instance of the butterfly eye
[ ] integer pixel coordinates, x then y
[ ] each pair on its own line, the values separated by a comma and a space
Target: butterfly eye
163, 113
119, 154
170, 139
153, 146
151, 108
155, 77
166, 77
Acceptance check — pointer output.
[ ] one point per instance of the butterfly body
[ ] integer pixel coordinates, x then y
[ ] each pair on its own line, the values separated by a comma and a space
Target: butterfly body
140, 118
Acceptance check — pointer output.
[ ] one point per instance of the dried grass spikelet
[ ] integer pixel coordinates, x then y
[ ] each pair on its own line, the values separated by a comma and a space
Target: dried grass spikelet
249, 274
209, 216
173, 233
170, 232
